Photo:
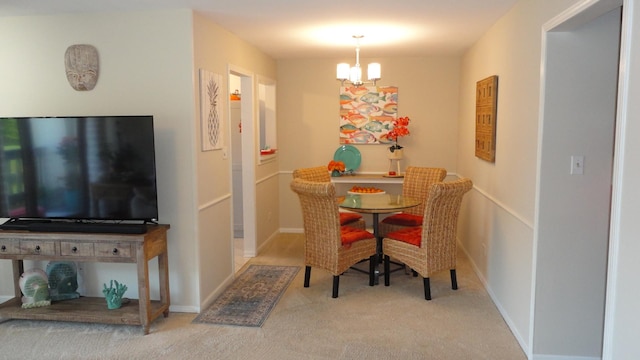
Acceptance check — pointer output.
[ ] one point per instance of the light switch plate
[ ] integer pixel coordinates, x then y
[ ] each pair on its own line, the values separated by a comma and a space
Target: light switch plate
577, 165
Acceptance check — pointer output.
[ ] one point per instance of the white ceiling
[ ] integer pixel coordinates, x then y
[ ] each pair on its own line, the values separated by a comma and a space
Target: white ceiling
287, 29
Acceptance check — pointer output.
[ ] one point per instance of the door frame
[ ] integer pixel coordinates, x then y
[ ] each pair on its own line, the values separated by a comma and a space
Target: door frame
584, 12
247, 118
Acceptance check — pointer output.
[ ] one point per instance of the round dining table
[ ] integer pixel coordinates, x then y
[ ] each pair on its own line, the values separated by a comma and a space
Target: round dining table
376, 204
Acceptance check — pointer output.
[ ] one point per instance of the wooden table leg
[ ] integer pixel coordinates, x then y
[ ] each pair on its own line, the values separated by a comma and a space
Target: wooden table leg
163, 270
143, 289
18, 269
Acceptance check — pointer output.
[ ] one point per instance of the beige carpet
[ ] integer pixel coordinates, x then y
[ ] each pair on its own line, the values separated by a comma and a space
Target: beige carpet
363, 323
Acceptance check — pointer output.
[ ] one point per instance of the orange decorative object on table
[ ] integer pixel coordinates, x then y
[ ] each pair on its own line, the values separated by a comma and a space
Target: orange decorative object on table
365, 189
336, 166
400, 129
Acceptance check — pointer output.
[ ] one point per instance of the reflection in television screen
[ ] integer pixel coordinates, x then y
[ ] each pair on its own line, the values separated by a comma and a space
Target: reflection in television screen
82, 168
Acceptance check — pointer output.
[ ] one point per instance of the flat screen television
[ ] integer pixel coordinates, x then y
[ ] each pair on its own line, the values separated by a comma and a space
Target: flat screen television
93, 168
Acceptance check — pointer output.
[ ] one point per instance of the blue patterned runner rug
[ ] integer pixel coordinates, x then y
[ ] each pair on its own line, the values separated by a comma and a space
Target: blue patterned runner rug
251, 297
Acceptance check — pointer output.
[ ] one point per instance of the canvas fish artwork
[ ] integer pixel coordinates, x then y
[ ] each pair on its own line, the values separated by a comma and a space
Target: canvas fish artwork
367, 113
374, 126
372, 98
348, 128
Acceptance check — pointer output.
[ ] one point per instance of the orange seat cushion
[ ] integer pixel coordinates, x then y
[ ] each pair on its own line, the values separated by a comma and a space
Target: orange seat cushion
349, 235
411, 236
403, 219
349, 217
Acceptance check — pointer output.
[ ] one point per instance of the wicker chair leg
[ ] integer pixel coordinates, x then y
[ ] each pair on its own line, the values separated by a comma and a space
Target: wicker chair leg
415, 273
336, 283
307, 275
427, 289
387, 268
372, 270
454, 280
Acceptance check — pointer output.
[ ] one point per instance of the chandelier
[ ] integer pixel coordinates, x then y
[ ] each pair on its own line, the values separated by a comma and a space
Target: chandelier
353, 74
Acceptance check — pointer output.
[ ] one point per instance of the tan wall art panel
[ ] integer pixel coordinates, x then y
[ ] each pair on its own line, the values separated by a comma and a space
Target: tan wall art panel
486, 109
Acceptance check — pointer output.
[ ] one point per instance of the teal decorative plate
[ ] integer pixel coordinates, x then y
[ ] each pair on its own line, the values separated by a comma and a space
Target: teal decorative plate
350, 156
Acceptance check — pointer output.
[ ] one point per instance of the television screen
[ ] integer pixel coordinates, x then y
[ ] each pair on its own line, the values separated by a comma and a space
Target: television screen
86, 168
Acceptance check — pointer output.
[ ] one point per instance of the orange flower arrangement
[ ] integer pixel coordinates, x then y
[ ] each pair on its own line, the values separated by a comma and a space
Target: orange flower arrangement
336, 166
400, 129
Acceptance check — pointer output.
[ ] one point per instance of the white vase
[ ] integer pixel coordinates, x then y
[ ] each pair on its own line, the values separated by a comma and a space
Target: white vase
396, 154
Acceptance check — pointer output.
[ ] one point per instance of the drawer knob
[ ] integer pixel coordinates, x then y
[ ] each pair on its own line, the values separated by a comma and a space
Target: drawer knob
37, 248
74, 249
3, 248
115, 251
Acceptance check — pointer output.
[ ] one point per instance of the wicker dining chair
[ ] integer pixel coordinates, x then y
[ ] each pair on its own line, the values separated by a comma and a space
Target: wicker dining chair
432, 247
417, 181
321, 174
329, 245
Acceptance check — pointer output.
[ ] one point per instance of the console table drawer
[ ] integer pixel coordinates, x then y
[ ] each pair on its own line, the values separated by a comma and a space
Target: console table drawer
37, 247
9, 247
119, 250
76, 249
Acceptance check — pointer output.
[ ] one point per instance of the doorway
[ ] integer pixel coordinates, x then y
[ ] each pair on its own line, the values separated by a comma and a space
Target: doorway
235, 127
242, 129
576, 150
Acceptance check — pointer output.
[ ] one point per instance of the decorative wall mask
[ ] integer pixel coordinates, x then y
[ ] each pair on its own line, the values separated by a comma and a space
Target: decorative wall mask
81, 65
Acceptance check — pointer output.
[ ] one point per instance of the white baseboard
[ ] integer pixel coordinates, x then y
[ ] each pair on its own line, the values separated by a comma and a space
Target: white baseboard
503, 313
563, 357
183, 309
214, 294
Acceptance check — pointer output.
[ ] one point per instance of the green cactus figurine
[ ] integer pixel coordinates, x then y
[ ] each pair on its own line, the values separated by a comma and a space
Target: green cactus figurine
113, 295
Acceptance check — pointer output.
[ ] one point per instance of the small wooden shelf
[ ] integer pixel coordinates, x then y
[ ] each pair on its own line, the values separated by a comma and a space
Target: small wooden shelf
83, 309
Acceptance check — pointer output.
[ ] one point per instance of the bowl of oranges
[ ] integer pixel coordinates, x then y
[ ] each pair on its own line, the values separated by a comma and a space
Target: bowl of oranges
365, 190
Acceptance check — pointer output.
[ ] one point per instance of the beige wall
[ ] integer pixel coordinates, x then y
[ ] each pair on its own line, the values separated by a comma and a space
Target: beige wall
145, 68
214, 50
498, 219
581, 73
148, 65
308, 118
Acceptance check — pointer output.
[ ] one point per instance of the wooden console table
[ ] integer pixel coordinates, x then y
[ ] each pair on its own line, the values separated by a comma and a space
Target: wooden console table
115, 248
